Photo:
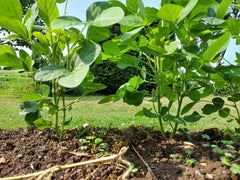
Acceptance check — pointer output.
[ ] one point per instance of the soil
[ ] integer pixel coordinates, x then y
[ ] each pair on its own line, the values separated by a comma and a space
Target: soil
24, 151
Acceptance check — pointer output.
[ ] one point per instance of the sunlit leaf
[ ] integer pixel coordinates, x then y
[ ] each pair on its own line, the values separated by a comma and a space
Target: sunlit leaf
132, 20
65, 21
129, 34
221, 11
186, 10
170, 12
98, 33
9, 58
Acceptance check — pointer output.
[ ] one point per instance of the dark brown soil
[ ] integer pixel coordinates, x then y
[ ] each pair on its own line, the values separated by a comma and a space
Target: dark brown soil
31, 150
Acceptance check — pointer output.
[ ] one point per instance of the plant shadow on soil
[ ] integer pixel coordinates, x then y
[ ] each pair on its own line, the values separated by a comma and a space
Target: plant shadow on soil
31, 150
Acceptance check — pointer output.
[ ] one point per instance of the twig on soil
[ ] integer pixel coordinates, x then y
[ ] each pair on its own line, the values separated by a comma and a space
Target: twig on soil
58, 168
148, 167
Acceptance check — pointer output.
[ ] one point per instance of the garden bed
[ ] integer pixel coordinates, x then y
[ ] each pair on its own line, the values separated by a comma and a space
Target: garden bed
31, 150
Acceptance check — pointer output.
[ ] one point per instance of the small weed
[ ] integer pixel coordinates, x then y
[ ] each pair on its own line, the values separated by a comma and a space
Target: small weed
80, 133
205, 136
133, 169
190, 161
235, 169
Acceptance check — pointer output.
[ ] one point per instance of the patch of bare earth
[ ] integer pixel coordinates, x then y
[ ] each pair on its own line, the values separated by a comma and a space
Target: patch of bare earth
28, 151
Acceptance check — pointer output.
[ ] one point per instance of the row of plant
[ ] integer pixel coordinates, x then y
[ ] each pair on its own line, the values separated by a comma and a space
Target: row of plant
173, 47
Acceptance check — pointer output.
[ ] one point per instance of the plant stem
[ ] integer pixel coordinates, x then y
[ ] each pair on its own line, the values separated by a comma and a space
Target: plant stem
54, 93
65, 8
235, 104
64, 113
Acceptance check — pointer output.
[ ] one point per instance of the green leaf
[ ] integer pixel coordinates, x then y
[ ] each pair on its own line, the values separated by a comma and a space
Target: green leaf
132, 21
132, 6
98, 140
141, 7
133, 97
170, 12
32, 96
14, 25
139, 115
187, 107
208, 69
149, 114
51, 72
44, 90
93, 87
82, 59
142, 41
26, 60
143, 73
174, 119
151, 14
232, 25
224, 112
9, 58
107, 99
213, 20
11, 9
194, 117
207, 91
60, 1
222, 9
186, 10
41, 38
209, 109
98, 34
194, 95
65, 21
111, 47
31, 117
135, 81
48, 10
30, 17
218, 102
218, 46
108, 17
41, 48
235, 97
171, 47
42, 124
129, 34
27, 107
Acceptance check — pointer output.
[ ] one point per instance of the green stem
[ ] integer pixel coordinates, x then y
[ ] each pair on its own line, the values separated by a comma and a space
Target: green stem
64, 113
54, 93
235, 104
65, 8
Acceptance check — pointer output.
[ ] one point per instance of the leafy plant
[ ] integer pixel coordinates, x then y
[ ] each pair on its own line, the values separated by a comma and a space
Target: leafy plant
176, 48
63, 72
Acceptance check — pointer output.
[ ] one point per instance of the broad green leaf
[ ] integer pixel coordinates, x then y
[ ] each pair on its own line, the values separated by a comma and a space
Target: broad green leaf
129, 34
42, 124
172, 47
174, 119
141, 7
187, 107
144, 73
234, 98
194, 117
82, 59
151, 14
93, 87
224, 112
132, 6
27, 107
209, 69
207, 91
111, 47
41, 48
221, 11
186, 10
213, 20
132, 21
149, 114
31, 97
30, 17
107, 99
14, 25
98, 34
31, 117
108, 17
134, 97
194, 95
139, 115
9, 58
12, 36
209, 109
65, 21
60, 1
128, 60
218, 102
44, 90
96, 9
11, 9
51, 72
135, 81
170, 12
218, 46
142, 41
232, 25
48, 10
26, 60
41, 38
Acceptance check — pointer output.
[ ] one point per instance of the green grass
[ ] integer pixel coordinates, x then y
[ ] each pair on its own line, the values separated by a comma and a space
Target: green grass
12, 82
117, 114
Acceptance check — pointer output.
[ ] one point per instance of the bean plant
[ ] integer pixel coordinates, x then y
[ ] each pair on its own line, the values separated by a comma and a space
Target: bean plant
62, 71
173, 45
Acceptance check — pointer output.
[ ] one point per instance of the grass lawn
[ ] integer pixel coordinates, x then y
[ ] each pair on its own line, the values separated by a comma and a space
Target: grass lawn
117, 114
